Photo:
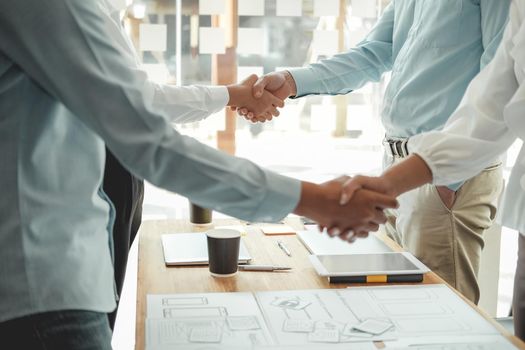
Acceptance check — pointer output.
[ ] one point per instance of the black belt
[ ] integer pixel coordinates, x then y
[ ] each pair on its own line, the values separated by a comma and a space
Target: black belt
396, 147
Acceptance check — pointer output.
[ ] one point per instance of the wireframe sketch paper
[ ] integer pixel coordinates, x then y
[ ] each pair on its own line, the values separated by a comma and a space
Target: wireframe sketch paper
425, 317
420, 314
214, 320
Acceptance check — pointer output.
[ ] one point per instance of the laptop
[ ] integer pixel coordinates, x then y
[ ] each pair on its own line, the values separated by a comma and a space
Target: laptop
192, 249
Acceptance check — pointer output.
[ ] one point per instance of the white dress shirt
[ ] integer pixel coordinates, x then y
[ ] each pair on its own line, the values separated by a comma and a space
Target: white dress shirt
489, 119
182, 104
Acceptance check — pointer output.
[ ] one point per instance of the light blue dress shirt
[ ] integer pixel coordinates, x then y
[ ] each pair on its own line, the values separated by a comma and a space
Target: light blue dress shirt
66, 89
433, 47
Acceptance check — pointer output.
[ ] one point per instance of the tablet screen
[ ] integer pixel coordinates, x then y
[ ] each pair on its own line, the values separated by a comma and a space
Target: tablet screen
363, 263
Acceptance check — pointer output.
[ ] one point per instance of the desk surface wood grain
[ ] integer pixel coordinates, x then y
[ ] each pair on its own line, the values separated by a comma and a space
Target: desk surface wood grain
155, 278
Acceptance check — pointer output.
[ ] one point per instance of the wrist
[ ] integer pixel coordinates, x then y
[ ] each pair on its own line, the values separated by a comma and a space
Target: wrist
389, 185
290, 81
234, 94
309, 192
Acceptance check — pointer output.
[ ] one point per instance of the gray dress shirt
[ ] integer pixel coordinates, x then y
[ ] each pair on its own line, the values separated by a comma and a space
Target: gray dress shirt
66, 89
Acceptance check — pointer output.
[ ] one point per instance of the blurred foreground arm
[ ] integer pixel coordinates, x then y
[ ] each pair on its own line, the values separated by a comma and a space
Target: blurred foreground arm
363, 213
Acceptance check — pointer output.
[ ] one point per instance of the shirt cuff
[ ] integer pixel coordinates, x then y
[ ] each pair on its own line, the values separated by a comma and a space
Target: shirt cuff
218, 97
305, 81
281, 198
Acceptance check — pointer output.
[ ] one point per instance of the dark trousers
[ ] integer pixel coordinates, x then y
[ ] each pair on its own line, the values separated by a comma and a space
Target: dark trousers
58, 330
127, 194
519, 291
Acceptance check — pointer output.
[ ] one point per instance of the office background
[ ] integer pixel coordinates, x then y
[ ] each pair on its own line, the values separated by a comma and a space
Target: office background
222, 41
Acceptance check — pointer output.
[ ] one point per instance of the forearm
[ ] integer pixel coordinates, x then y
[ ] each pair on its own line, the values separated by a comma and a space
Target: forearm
310, 196
187, 104
407, 175
348, 71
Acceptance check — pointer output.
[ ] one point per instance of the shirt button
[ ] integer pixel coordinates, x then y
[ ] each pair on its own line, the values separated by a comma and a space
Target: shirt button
522, 182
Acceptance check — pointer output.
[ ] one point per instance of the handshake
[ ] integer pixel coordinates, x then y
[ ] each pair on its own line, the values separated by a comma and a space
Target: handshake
346, 207
258, 99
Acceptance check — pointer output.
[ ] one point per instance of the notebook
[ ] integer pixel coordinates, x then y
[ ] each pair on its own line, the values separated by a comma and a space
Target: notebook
192, 249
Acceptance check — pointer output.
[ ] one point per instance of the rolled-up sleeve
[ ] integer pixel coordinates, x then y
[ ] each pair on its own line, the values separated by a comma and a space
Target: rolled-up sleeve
62, 46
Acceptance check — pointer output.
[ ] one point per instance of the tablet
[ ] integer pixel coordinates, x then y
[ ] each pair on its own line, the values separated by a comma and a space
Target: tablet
394, 263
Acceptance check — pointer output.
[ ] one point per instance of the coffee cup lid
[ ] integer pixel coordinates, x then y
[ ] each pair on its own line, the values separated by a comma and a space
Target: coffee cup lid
223, 233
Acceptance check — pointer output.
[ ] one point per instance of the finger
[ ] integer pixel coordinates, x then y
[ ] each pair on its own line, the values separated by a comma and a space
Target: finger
379, 217
275, 112
383, 201
262, 118
333, 231
259, 86
347, 235
370, 227
250, 115
243, 111
277, 102
362, 234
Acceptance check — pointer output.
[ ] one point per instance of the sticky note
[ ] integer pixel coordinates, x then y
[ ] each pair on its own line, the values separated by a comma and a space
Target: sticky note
245, 72
212, 7
212, 40
251, 7
277, 229
289, 8
364, 8
251, 41
153, 37
323, 117
326, 8
326, 42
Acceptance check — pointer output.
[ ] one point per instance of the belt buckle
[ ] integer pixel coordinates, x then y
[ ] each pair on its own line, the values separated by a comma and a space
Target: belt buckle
398, 148
392, 147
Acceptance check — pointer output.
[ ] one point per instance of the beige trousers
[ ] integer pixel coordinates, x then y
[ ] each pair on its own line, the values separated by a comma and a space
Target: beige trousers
449, 241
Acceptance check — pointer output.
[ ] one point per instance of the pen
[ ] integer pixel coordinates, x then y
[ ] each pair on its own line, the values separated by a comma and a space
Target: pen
263, 268
283, 248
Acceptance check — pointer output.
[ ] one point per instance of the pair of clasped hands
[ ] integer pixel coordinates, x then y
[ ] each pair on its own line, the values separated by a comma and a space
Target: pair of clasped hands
347, 207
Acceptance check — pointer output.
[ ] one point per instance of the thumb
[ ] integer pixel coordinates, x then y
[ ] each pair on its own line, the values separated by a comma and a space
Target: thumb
349, 188
259, 86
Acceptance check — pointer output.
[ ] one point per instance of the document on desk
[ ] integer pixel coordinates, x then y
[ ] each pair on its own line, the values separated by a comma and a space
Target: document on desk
217, 320
424, 314
425, 317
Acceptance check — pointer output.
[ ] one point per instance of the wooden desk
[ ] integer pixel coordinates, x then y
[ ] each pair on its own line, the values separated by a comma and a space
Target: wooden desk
155, 278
